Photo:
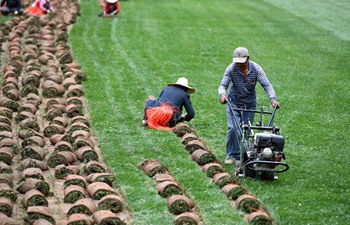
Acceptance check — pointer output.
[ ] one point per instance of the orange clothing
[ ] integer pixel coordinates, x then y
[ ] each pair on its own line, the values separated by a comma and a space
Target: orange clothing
35, 9
158, 117
40, 7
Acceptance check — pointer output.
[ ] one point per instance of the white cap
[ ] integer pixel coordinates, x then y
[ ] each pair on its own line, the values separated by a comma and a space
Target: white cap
240, 55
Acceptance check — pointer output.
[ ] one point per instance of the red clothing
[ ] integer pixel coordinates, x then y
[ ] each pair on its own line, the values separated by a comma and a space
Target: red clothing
35, 9
112, 7
40, 7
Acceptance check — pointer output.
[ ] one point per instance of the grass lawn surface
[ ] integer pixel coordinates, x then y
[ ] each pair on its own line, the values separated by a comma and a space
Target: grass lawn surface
303, 46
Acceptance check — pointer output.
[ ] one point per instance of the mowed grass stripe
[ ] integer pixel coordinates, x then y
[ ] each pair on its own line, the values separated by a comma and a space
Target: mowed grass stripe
327, 15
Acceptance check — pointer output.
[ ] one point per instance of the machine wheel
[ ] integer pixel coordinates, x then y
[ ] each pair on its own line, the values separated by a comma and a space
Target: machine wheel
249, 173
267, 175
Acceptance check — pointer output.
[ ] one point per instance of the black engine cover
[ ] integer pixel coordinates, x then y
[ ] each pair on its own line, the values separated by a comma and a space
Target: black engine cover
273, 141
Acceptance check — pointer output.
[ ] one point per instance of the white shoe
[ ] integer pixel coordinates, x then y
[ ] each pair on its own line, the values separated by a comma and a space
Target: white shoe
144, 123
229, 161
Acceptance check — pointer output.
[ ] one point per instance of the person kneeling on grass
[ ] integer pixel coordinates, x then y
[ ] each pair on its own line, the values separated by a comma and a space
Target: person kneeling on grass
40, 7
11, 6
111, 7
165, 112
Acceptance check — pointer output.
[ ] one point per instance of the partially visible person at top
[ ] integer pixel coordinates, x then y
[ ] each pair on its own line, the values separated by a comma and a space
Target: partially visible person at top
111, 7
241, 77
40, 7
11, 6
167, 110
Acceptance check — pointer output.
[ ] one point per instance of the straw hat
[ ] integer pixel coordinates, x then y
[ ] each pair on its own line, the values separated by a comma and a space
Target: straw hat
184, 83
112, 1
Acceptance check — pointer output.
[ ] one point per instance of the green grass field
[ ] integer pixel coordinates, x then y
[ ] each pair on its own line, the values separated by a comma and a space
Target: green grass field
303, 47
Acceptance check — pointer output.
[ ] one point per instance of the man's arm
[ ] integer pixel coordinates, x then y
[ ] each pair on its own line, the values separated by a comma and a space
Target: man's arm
189, 109
268, 88
265, 83
225, 82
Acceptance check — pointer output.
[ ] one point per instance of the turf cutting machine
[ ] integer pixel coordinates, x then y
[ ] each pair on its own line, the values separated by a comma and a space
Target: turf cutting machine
261, 147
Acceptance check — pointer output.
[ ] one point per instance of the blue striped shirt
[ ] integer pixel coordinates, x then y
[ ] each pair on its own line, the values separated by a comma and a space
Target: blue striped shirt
242, 88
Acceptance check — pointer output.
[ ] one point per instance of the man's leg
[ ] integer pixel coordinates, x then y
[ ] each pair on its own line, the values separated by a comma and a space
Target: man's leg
247, 116
234, 135
13, 10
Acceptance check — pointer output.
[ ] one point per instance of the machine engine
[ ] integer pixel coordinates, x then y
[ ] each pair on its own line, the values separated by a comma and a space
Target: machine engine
261, 149
266, 147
